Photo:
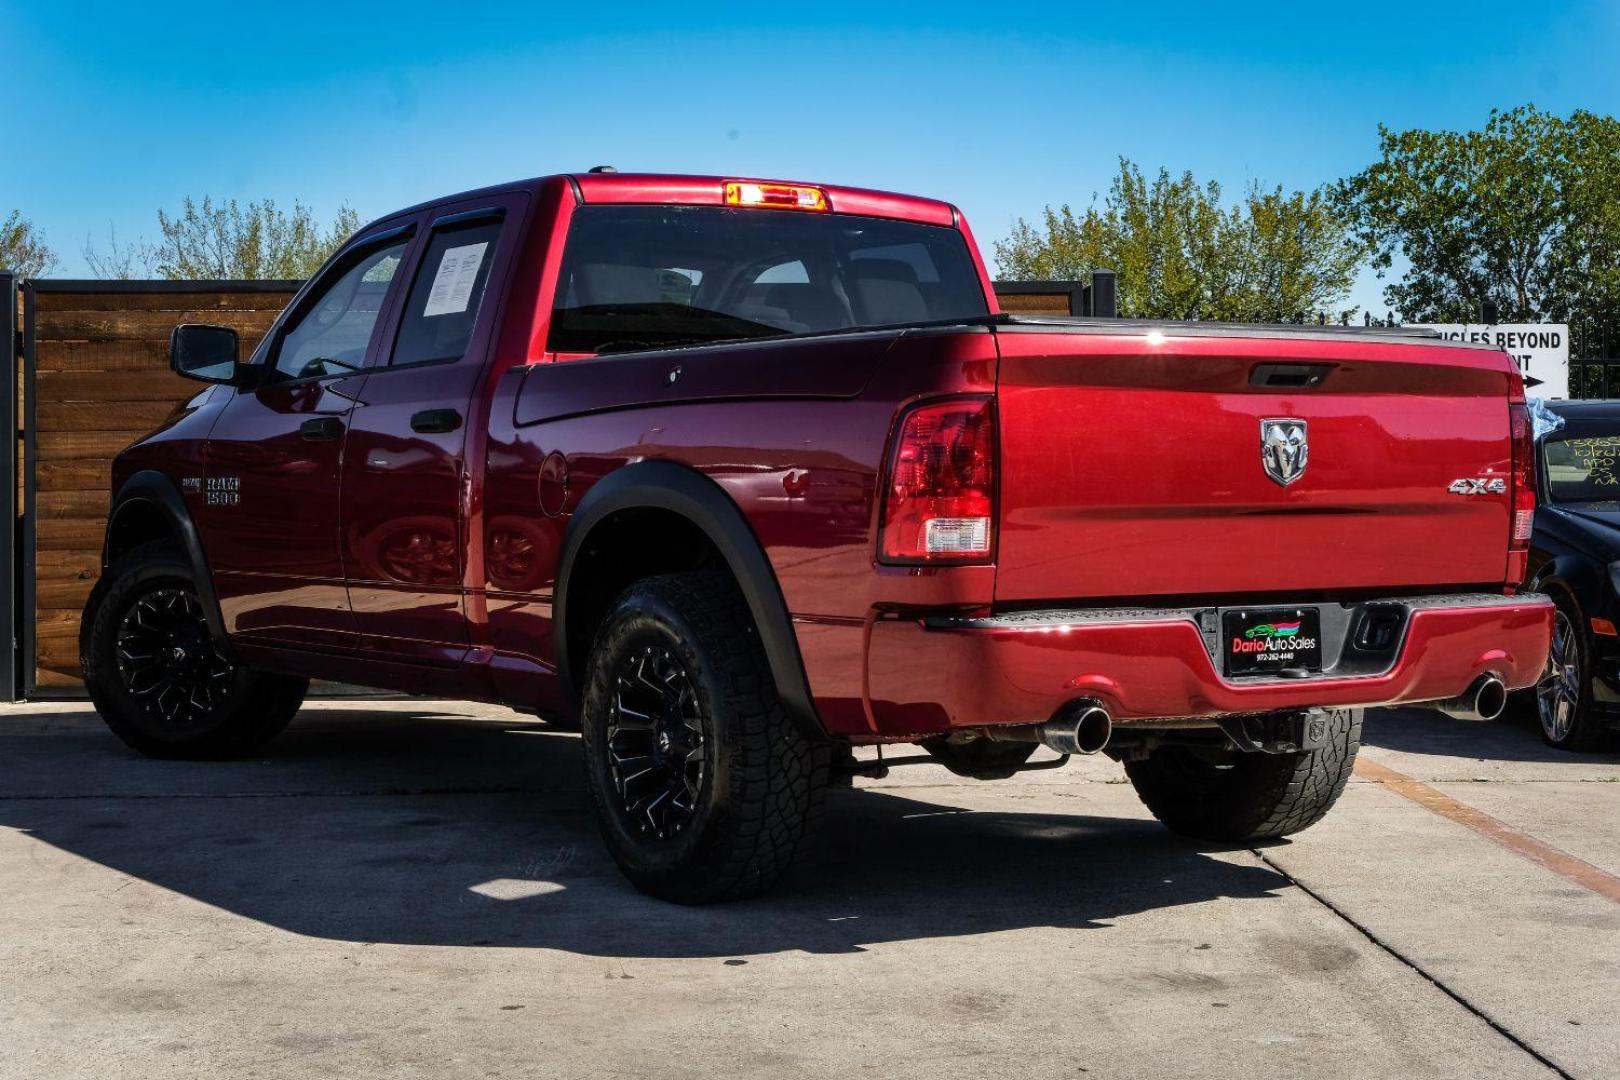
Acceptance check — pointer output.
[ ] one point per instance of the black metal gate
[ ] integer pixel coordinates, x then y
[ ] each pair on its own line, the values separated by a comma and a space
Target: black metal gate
10, 537
1594, 378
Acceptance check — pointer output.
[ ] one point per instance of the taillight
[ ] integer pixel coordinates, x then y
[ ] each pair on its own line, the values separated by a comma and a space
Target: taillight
939, 502
774, 196
1523, 492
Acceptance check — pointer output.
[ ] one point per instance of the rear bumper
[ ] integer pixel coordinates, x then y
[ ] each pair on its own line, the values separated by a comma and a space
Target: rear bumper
932, 675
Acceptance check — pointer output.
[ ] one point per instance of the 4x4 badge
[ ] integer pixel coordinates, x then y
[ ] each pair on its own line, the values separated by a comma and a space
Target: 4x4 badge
1478, 485
1284, 449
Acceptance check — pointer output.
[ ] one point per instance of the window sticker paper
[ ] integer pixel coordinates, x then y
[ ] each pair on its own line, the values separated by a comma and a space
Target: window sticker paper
453, 284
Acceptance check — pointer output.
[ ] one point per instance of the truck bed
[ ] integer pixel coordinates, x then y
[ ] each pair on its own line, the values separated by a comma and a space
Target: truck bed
1133, 465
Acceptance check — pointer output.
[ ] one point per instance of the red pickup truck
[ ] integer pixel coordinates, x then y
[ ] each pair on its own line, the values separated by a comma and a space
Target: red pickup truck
744, 474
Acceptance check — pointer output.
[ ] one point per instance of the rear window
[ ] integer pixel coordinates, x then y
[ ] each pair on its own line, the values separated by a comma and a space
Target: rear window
647, 277
1584, 465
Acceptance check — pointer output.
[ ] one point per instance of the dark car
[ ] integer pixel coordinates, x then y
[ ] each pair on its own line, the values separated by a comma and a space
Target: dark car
1575, 559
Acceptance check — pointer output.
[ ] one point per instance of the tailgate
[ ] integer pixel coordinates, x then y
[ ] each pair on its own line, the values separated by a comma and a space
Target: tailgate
1132, 465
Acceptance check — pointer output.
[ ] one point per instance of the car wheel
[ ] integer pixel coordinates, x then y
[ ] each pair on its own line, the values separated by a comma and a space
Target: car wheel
1564, 694
1228, 795
704, 788
158, 678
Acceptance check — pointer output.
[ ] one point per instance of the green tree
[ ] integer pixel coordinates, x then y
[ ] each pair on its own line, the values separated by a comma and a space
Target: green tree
22, 247
1524, 213
256, 241
1179, 253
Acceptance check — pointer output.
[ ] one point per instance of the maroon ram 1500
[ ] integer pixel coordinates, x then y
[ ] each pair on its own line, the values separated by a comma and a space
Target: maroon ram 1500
742, 474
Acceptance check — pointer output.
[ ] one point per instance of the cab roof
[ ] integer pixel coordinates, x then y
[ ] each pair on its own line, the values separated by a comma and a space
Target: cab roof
678, 190
664, 188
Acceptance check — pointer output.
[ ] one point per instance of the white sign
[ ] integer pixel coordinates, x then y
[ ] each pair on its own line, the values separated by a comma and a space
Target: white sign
1540, 349
453, 284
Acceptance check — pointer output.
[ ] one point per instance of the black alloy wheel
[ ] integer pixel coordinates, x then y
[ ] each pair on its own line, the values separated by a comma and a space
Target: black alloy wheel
159, 677
704, 787
167, 660
656, 743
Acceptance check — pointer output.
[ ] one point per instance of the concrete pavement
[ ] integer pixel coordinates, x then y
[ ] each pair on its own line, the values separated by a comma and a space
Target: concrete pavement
416, 889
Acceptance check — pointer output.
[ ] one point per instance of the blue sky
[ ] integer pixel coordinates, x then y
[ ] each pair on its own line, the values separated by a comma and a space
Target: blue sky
119, 109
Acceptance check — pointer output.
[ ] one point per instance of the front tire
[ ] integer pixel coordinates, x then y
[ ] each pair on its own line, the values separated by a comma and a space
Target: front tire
158, 678
1564, 694
1228, 795
704, 788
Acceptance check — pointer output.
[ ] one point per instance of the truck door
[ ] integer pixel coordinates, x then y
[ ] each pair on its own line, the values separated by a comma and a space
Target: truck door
404, 533
270, 517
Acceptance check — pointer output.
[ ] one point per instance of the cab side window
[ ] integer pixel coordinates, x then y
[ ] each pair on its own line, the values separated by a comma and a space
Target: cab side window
330, 336
442, 308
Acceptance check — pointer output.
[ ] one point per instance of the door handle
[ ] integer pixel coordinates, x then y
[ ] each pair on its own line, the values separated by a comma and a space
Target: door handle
321, 429
436, 421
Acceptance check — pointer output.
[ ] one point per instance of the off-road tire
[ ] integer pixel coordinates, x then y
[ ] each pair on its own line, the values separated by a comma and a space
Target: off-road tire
1228, 795
251, 707
764, 779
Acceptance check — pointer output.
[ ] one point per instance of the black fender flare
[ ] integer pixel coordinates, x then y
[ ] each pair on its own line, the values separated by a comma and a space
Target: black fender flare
1571, 573
1574, 579
665, 485
156, 490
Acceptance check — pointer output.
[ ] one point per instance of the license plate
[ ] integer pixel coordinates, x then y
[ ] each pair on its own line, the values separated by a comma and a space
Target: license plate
1272, 641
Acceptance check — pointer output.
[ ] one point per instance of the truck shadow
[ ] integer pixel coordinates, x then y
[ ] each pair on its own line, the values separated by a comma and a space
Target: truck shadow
1515, 736
417, 829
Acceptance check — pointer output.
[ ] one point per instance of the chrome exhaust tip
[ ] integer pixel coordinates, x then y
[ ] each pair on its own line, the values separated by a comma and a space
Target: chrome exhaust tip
1485, 699
1084, 729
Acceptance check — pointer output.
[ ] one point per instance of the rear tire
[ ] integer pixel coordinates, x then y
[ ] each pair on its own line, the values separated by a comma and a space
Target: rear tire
158, 678
1229, 795
704, 788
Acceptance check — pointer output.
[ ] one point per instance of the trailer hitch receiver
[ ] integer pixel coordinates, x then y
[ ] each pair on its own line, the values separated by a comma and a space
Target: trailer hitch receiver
1276, 733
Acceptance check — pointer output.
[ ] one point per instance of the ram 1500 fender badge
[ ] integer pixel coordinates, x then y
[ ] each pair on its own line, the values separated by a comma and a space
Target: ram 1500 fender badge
1284, 449
1478, 485
215, 490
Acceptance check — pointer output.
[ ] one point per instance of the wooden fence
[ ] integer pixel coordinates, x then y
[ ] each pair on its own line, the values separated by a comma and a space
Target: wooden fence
92, 377
1094, 298
96, 378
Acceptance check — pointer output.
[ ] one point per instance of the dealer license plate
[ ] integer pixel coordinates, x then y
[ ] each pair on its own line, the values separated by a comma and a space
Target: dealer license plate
1271, 641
